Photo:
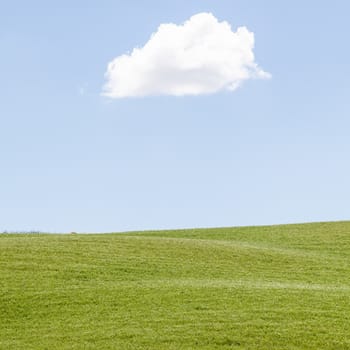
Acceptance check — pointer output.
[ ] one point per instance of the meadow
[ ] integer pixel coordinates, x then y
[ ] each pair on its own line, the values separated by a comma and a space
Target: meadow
265, 287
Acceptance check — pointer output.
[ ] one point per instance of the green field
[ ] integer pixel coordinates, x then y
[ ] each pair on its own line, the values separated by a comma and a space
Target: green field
269, 287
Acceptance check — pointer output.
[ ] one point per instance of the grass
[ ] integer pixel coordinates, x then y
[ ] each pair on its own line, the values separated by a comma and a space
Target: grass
270, 287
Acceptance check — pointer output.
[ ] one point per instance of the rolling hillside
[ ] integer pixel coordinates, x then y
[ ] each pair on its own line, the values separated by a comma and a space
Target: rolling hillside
268, 287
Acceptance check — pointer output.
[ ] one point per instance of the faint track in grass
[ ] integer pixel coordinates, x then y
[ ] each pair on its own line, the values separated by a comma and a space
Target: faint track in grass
237, 244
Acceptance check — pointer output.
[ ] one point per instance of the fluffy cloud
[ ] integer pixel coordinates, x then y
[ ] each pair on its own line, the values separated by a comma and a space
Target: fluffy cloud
202, 56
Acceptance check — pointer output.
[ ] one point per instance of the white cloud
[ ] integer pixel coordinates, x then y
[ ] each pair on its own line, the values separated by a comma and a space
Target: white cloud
202, 56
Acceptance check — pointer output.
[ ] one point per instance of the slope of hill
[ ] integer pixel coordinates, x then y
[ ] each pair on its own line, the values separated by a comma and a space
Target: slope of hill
269, 287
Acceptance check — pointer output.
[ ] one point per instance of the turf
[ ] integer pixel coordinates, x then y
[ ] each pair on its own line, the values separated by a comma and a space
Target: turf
269, 287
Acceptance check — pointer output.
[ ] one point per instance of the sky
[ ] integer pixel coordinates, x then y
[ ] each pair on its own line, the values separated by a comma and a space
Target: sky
89, 146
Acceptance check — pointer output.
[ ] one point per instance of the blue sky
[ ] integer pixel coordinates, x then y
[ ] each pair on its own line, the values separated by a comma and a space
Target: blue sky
273, 151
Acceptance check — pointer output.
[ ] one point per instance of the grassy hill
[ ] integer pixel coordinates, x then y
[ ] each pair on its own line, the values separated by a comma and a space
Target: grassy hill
270, 287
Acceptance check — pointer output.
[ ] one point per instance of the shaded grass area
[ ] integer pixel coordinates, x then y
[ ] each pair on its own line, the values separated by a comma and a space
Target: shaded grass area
277, 287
